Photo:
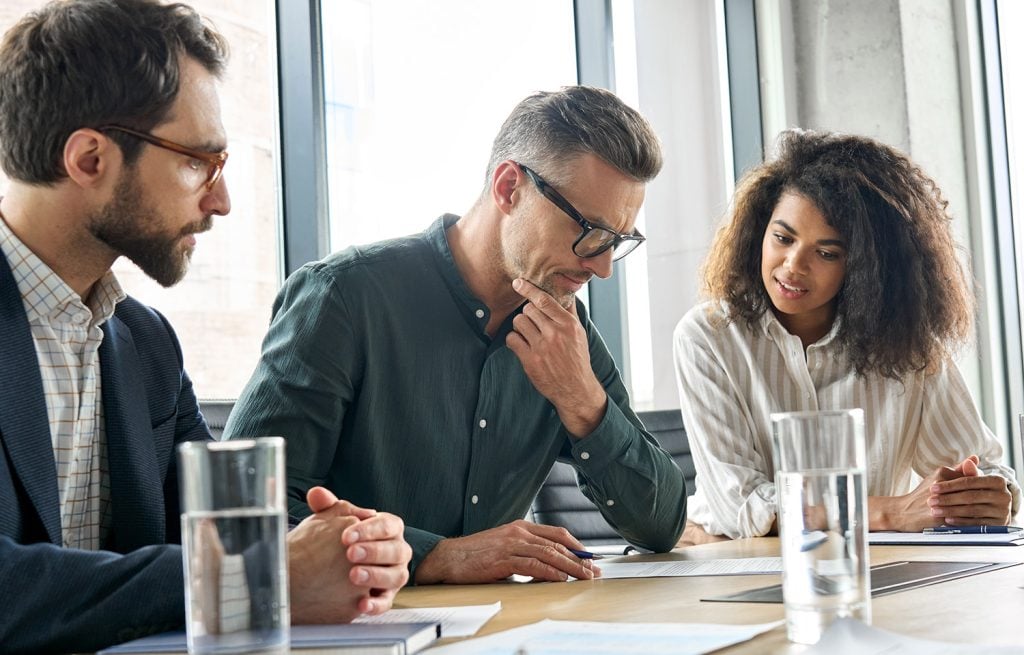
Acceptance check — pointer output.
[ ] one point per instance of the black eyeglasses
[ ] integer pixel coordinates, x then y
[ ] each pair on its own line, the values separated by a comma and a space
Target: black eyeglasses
215, 160
594, 239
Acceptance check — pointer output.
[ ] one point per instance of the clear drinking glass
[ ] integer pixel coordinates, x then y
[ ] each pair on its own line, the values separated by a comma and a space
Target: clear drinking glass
822, 501
233, 536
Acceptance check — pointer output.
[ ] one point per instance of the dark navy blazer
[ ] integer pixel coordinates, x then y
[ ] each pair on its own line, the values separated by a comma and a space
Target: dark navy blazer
55, 599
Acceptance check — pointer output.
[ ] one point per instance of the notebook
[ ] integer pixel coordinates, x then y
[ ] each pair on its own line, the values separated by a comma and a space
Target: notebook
348, 638
945, 539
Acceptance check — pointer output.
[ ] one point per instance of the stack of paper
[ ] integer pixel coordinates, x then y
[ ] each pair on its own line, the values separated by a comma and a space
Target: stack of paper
563, 637
458, 621
688, 568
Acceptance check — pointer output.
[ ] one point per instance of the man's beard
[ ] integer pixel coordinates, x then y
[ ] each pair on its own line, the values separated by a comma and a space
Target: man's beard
131, 226
516, 267
564, 298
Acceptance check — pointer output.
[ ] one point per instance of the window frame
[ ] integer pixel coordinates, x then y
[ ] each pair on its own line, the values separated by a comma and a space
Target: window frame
304, 201
994, 190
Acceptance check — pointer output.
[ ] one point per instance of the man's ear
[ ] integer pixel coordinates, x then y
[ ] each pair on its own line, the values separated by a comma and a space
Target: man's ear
90, 158
507, 179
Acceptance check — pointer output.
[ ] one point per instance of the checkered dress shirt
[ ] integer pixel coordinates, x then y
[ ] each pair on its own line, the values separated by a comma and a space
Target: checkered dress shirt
67, 336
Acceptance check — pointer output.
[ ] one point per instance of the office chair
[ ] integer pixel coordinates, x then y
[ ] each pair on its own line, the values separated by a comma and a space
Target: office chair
216, 414
560, 502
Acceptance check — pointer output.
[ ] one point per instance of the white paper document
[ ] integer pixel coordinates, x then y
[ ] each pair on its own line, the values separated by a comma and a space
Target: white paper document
678, 569
592, 638
459, 621
852, 637
945, 539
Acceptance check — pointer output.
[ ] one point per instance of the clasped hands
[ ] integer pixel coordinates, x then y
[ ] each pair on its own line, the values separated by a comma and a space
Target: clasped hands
344, 561
954, 496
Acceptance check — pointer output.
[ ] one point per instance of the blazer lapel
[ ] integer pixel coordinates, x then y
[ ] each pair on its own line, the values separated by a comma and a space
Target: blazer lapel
136, 484
24, 422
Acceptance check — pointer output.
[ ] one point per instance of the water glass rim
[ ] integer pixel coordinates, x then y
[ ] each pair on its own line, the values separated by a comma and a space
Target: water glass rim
231, 445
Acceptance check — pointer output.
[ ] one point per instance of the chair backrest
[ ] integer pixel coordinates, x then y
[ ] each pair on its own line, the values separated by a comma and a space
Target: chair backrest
216, 413
560, 502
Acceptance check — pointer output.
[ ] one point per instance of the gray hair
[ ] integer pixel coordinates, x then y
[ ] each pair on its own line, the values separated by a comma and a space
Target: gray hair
550, 128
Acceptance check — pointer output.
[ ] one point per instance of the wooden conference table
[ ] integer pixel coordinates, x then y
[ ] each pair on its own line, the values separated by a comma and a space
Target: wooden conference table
987, 608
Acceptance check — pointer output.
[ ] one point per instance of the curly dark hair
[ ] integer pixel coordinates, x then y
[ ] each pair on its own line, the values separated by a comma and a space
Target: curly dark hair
90, 63
905, 304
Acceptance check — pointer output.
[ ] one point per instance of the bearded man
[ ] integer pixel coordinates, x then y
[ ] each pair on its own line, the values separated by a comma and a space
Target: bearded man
110, 133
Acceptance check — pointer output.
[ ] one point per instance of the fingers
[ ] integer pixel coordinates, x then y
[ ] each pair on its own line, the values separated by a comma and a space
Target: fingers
989, 506
944, 473
517, 344
969, 467
531, 324
540, 299
380, 553
552, 533
379, 577
377, 604
379, 526
321, 499
544, 544
991, 511
971, 500
979, 520
967, 483
345, 508
549, 563
525, 326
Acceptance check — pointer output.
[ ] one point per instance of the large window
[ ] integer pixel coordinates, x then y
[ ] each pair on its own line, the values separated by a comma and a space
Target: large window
415, 92
1010, 16
221, 309
1011, 51
668, 64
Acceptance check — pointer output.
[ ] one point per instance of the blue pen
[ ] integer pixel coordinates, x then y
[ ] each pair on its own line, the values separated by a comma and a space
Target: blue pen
584, 554
972, 529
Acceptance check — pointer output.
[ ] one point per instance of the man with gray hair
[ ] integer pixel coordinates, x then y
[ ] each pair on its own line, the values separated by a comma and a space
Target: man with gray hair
439, 376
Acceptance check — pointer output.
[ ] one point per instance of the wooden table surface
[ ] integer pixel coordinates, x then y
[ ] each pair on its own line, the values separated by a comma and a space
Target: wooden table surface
983, 609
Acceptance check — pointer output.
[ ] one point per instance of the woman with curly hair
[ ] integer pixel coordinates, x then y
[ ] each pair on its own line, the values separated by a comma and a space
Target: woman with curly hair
835, 283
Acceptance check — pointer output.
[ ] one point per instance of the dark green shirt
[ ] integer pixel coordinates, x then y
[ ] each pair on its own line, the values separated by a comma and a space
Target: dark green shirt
378, 372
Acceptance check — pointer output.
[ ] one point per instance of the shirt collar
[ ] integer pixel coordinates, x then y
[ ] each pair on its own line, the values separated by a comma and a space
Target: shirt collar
45, 294
774, 329
104, 297
436, 237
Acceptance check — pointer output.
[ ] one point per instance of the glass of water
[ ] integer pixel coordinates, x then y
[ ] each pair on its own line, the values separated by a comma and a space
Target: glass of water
822, 501
233, 536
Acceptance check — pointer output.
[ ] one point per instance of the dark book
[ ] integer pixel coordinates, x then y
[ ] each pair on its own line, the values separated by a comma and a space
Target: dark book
349, 638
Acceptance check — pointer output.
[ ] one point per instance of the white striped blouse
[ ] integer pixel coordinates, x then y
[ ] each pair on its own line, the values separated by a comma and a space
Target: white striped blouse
732, 378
